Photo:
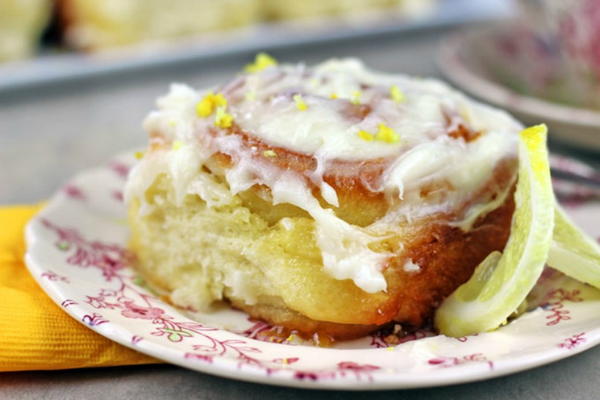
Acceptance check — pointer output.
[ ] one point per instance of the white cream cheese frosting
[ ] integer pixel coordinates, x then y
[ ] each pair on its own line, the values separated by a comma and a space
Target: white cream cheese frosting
325, 112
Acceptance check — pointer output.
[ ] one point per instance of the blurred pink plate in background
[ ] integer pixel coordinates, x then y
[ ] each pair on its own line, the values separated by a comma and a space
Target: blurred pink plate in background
488, 62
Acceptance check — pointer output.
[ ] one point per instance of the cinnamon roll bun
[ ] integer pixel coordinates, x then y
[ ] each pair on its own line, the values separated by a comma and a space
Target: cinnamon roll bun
276, 9
21, 26
331, 199
97, 25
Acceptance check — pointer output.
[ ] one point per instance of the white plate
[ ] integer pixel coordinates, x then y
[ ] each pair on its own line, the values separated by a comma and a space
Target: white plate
76, 251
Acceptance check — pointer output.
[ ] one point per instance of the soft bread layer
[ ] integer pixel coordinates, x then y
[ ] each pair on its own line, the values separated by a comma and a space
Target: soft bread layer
265, 260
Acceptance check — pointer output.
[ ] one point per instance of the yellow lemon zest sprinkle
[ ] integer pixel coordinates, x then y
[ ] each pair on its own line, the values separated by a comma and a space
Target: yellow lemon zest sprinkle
209, 103
364, 135
355, 99
291, 338
285, 361
396, 94
204, 107
222, 118
387, 134
333, 96
300, 103
390, 348
138, 155
261, 61
177, 144
269, 153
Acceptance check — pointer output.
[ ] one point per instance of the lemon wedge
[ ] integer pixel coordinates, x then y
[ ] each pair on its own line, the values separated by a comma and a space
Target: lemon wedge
573, 252
502, 281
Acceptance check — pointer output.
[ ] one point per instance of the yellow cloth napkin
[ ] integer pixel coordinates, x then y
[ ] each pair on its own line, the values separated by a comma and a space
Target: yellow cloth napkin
35, 334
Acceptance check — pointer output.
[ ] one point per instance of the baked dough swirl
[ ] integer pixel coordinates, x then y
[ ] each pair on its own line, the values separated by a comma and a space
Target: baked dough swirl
331, 199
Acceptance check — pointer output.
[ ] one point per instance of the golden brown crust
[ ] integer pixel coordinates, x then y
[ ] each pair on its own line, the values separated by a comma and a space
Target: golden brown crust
353, 181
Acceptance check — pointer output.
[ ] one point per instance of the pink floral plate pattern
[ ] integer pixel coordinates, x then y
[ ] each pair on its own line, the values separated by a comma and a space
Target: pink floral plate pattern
77, 253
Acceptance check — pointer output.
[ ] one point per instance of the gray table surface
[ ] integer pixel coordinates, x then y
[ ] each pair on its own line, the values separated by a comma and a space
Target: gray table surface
49, 134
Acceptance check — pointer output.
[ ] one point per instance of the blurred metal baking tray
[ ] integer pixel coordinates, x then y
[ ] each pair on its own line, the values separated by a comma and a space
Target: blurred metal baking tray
57, 68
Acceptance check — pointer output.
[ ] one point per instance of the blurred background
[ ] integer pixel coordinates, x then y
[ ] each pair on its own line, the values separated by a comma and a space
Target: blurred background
77, 77
94, 26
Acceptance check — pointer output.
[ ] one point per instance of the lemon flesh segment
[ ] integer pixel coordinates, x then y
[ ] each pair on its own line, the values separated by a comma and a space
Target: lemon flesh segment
573, 252
501, 283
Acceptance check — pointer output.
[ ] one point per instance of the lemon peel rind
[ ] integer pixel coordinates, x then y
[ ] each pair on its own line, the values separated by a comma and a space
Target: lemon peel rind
479, 306
574, 253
